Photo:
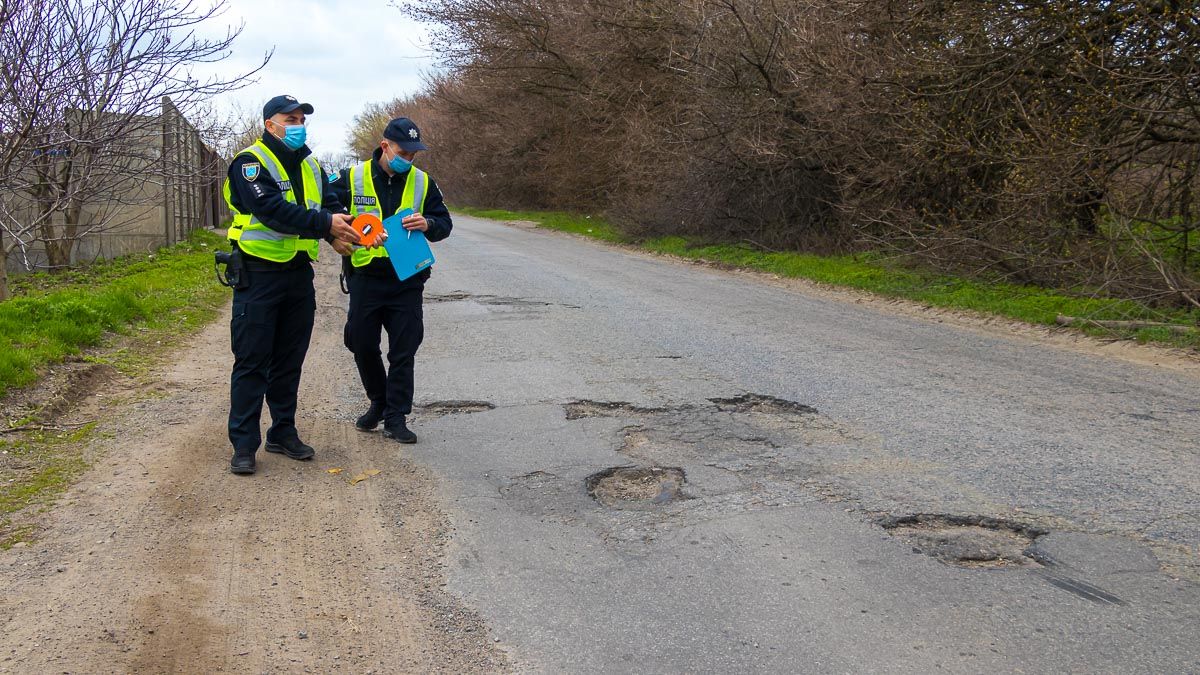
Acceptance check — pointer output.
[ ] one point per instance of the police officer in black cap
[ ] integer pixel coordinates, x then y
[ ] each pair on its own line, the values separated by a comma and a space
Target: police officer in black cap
283, 205
385, 185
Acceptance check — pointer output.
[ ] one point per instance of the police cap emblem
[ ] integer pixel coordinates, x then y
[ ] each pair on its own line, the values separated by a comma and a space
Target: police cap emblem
251, 170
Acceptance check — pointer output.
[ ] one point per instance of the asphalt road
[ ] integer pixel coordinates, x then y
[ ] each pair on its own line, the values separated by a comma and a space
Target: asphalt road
780, 445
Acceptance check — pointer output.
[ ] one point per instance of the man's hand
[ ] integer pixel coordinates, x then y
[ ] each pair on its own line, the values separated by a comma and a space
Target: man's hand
415, 222
383, 235
342, 248
340, 228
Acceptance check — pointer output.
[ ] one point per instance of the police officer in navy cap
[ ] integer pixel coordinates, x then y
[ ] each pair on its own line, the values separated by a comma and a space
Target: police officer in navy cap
282, 207
385, 185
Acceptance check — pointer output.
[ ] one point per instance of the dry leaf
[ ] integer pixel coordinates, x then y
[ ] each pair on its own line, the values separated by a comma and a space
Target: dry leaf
334, 471
364, 475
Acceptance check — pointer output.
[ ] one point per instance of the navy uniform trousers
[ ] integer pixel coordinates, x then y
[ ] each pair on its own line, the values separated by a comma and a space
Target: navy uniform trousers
271, 328
377, 303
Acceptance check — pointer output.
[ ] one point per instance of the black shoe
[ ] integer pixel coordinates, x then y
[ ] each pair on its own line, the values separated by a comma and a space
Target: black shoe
370, 419
242, 462
292, 447
398, 432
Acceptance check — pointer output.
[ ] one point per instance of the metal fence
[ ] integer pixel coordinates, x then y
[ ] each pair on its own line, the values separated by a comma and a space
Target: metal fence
192, 178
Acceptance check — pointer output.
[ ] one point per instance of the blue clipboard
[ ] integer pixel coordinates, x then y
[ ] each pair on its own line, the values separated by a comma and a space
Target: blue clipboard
409, 251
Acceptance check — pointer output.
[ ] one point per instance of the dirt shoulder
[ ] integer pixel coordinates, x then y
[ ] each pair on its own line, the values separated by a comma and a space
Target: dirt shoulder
159, 560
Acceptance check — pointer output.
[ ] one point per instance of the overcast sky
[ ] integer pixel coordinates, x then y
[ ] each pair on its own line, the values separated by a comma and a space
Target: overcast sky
337, 55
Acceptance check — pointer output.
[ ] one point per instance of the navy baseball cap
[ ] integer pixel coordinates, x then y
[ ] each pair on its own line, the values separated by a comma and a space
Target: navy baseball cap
405, 134
284, 104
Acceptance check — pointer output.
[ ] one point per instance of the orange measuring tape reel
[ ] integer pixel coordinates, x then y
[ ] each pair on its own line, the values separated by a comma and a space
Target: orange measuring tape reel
369, 228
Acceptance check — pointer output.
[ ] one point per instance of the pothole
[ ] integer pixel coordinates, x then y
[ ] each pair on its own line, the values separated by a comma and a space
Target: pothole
761, 403
493, 300
577, 410
447, 297
439, 408
967, 541
636, 486
512, 302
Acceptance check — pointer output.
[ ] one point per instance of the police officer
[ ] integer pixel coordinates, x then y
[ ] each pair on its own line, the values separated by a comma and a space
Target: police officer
282, 205
385, 185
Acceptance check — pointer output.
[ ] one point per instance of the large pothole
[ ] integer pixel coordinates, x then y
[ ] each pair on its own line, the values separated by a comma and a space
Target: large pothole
967, 541
577, 410
493, 300
763, 404
439, 408
447, 297
636, 486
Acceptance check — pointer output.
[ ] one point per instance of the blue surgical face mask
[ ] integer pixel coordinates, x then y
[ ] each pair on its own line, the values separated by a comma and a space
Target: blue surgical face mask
398, 164
294, 136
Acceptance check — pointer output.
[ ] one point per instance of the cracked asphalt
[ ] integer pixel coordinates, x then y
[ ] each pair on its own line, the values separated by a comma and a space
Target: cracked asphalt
801, 424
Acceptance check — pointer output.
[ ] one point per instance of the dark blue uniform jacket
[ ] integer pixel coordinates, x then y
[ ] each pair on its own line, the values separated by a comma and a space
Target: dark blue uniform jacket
262, 197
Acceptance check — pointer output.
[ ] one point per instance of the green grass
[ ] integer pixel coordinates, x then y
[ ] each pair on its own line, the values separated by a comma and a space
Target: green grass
1025, 303
55, 316
148, 302
886, 278
1172, 238
39, 467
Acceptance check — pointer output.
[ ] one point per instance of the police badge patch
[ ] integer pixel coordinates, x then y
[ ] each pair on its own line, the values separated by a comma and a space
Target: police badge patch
251, 170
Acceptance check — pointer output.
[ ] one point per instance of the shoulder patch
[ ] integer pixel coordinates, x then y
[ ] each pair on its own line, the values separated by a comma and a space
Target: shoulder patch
251, 170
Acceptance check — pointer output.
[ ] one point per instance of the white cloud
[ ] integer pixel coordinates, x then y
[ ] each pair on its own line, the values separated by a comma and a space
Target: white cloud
337, 55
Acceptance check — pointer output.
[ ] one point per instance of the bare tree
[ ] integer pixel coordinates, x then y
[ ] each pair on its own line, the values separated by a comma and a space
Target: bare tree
241, 127
87, 84
365, 130
1054, 142
31, 72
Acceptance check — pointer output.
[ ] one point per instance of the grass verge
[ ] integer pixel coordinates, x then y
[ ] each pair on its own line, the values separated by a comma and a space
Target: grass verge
123, 313
36, 469
55, 316
886, 278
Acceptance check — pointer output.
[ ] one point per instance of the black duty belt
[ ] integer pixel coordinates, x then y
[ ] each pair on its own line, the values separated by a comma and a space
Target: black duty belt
255, 264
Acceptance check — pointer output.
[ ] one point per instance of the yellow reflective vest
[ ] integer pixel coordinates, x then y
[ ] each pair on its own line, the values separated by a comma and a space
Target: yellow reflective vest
261, 241
364, 199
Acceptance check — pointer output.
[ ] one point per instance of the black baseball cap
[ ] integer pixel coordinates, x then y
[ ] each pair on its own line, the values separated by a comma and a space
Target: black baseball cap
405, 134
284, 104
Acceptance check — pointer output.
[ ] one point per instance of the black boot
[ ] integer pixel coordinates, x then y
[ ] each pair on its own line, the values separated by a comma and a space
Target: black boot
292, 447
370, 419
242, 462
397, 431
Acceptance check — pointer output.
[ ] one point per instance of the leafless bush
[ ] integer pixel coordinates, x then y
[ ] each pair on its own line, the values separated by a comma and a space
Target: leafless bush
1054, 142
